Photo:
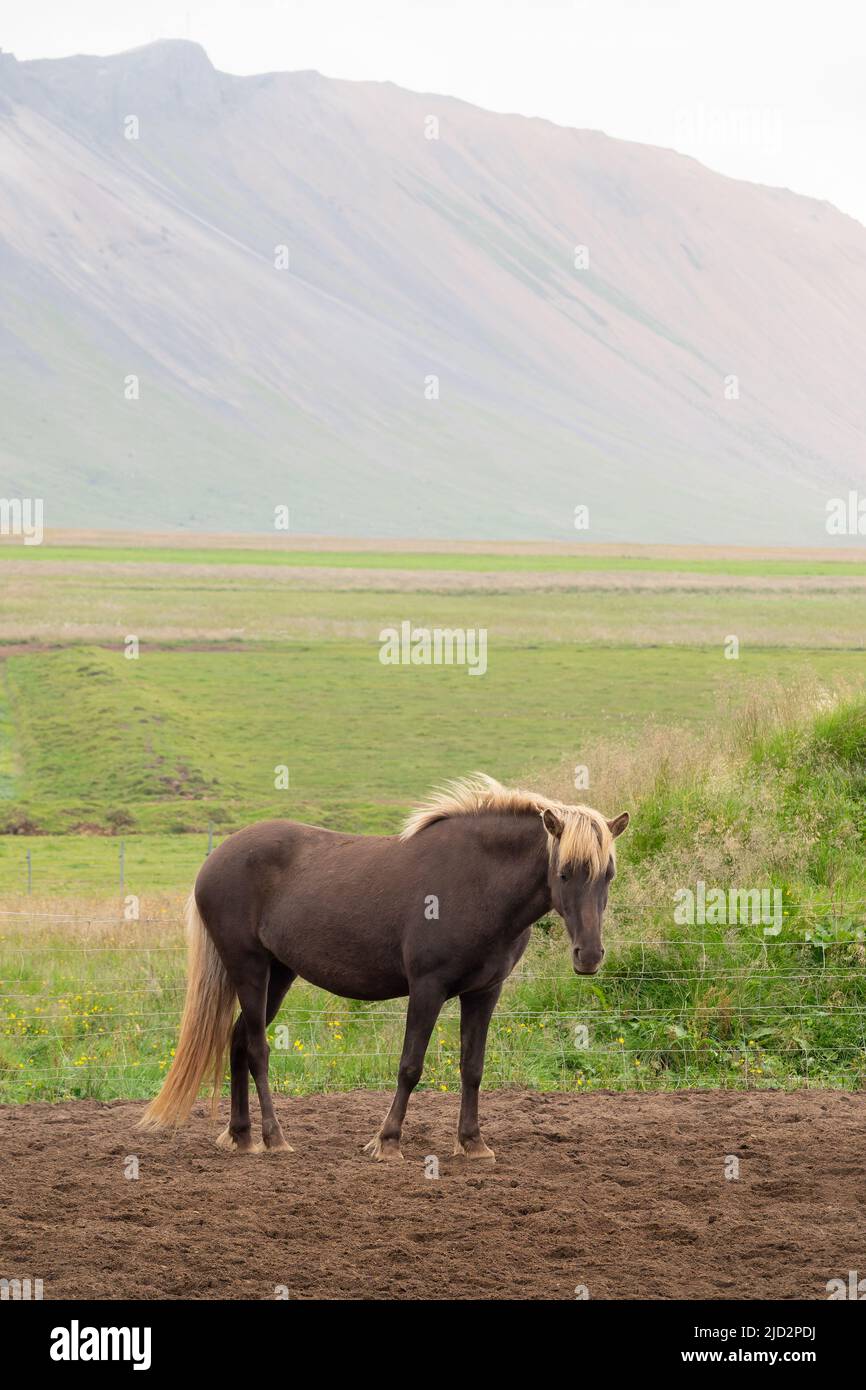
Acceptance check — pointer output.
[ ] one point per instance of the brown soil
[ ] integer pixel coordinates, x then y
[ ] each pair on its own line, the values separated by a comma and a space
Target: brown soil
622, 1193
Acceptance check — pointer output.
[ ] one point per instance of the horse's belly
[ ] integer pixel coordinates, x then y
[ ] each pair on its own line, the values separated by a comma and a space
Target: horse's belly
333, 957
349, 985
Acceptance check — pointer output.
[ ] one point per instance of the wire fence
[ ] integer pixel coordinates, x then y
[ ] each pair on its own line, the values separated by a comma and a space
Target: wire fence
727, 1005
101, 866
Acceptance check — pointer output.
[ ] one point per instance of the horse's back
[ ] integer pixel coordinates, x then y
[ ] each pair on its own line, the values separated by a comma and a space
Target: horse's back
324, 903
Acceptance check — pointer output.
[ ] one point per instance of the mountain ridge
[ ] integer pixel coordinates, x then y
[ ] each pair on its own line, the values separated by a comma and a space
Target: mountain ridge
409, 258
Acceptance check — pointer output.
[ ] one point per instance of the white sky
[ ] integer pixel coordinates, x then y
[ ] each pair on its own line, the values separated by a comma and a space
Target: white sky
769, 90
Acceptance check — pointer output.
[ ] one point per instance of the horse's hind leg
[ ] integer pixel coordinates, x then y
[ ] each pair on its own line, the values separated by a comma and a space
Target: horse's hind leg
475, 1013
249, 1055
237, 1135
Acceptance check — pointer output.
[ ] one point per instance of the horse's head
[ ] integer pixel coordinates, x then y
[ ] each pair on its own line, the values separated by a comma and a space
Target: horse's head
582, 863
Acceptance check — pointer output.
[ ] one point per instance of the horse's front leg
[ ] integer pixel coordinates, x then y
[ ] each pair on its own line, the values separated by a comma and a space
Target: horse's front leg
425, 1001
475, 1013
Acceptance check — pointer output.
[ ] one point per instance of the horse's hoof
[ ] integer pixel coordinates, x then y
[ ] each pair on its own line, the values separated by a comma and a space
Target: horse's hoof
474, 1148
235, 1144
385, 1150
277, 1146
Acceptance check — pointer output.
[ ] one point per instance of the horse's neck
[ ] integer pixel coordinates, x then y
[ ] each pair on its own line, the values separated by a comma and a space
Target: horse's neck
518, 847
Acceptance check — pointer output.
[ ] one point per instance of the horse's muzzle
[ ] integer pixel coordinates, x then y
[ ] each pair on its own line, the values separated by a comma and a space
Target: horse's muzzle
587, 962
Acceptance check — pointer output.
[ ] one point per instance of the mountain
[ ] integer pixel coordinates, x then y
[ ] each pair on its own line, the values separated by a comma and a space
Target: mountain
693, 375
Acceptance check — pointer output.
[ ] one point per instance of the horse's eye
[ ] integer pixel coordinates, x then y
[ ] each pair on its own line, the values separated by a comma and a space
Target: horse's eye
564, 877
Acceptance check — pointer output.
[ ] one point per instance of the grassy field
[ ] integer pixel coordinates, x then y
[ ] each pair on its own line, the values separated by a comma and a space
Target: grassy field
742, 773
425, 560
91, 1001
178, 740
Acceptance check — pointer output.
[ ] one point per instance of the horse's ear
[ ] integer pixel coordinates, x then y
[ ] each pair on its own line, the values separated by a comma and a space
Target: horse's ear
618, 825
552, 824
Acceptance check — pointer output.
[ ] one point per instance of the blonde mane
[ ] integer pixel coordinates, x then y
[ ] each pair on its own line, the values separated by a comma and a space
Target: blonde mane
586, 839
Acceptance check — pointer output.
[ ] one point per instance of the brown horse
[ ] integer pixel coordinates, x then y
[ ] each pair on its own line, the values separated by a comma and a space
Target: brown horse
445, 908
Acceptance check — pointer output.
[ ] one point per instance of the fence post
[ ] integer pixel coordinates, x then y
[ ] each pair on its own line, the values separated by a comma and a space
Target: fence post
209, 836
29, 873
122, 865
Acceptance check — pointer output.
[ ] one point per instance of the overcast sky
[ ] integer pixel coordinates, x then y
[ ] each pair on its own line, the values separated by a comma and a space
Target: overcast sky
769, 90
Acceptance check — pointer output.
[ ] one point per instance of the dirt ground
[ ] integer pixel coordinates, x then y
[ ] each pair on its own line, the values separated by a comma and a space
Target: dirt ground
624, 1194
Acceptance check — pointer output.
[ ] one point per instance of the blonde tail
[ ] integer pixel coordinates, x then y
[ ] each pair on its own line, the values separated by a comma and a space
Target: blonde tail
205, 1030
